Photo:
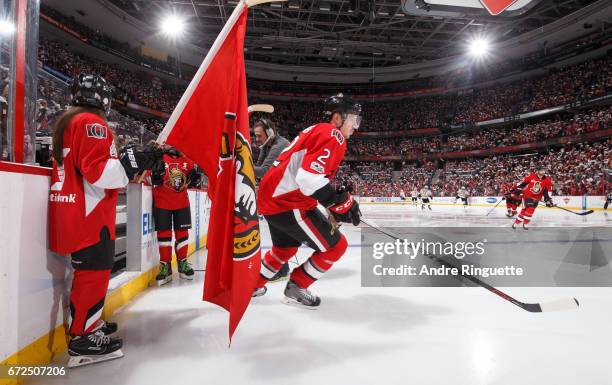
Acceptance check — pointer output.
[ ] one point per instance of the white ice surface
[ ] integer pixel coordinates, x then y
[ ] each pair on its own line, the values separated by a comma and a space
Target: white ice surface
366, 335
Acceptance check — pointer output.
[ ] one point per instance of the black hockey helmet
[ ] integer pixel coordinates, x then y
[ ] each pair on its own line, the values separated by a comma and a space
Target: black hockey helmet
342, 104
91, 91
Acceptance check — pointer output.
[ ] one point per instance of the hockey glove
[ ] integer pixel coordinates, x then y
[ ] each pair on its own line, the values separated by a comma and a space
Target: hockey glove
517, 191
549, 203
340, 203
346, 209
157, 173
194, 178
135, 161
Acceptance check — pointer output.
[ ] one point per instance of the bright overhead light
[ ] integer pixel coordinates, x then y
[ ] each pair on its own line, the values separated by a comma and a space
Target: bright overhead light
6, 27
173, 26
479, 47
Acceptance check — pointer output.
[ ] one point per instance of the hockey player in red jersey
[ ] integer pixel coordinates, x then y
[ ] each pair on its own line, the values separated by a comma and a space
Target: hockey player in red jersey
535, 186
288, 197
171, 210
513, 197
87, 173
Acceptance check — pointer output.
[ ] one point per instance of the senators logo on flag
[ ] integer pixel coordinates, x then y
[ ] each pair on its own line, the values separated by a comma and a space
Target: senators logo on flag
246, 221
210, 125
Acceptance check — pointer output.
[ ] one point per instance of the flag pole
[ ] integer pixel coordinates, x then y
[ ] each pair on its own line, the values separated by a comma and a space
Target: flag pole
204, 66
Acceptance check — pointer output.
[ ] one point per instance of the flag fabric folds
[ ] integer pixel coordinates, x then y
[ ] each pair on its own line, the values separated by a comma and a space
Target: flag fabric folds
211, 126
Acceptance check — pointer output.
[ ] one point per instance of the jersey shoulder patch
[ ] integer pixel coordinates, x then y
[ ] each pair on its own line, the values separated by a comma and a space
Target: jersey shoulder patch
338, 136
96, 130
95, 126
316, 166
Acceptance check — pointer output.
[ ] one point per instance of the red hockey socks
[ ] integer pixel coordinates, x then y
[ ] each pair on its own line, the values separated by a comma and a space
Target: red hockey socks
273, 261
182, 243
87, 299
164, 241
525, 215
318, 264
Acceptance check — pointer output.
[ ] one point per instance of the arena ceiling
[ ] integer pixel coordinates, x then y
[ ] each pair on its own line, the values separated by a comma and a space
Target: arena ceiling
350, 33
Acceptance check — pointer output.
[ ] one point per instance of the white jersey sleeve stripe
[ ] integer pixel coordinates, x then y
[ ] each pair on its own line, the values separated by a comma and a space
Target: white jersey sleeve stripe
113, 175
309, 182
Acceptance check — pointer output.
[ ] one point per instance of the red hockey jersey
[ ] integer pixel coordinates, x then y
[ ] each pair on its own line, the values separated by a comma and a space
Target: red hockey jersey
509, 188
534, 187
172, 193
83, 193
306, 165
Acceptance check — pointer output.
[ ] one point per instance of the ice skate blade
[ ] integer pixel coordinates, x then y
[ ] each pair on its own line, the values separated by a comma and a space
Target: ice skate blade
294, 303
259, 293
184, 276
281, 279
77, 361
163, 281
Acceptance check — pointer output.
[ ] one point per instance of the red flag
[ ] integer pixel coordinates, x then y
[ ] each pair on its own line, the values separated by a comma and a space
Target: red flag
495, 7
211, 126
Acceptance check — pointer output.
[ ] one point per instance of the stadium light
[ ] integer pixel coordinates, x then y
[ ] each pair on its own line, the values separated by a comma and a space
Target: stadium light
479, 47
173, 26
6, 27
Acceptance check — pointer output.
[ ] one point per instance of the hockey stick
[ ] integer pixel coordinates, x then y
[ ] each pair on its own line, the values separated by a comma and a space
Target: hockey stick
261, 108
575, 212
562, 304
494, 207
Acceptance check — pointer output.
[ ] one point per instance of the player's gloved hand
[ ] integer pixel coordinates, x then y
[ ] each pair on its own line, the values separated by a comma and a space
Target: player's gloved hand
135, 160
194, 178
549, 203
517, 191
506, 196
346, 209
157, 173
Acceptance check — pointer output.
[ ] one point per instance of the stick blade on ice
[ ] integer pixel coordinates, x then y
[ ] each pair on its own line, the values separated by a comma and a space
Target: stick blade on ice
559, 305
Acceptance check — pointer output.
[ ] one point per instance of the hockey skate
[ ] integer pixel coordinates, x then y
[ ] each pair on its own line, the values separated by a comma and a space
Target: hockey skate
259, 291
429, 207
509, 215
296, 296
93, 348
185, 270
165, 274
107, 328
282, 274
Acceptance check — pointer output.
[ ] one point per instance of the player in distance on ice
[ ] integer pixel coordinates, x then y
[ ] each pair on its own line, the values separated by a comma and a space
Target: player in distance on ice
535, 186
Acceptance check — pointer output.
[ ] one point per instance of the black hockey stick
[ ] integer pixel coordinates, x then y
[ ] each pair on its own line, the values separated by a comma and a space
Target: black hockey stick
497, 204
570, 211
562, 304
575, 212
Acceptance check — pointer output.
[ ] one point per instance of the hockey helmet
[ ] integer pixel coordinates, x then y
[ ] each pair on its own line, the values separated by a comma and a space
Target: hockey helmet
342, 104
91, 91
